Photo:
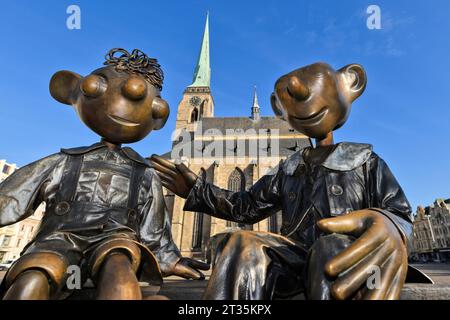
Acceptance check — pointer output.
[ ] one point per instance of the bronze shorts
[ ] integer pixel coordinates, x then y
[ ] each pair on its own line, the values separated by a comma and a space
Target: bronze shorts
57, 251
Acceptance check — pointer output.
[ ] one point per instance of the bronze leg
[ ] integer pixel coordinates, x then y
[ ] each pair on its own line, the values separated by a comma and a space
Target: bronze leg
117, 280
252, 265
30, 285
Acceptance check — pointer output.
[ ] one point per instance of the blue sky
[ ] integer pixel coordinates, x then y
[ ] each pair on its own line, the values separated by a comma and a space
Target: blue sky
404, 113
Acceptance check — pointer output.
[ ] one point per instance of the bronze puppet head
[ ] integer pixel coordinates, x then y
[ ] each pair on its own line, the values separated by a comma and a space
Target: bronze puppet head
316, 99
122, 101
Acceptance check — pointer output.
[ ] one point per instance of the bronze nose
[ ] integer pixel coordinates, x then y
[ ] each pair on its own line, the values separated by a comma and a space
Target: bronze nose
297, 89
160, 108
134, 88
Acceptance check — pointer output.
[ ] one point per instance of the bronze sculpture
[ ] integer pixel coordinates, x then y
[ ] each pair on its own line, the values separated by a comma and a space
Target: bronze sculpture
343, 211
105, 211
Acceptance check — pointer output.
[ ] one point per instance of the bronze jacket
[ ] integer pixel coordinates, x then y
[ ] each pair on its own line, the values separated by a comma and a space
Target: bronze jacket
352, 177
101, 196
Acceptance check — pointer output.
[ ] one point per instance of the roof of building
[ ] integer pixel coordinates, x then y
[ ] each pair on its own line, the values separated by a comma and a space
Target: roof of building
271, 136
245, 123
202, 73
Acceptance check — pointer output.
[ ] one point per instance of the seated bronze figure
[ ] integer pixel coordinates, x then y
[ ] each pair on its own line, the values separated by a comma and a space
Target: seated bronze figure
344, 214
105, 210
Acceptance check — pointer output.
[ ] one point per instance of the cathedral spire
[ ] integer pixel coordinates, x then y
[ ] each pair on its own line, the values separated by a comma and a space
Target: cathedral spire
255, 107
202, 74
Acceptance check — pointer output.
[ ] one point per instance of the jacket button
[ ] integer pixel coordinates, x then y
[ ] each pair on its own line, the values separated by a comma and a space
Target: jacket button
291, 195
132, 214
62, 208
336, 190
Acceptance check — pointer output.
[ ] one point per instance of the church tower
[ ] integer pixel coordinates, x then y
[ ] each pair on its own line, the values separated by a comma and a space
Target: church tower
256, 115
197, 101
192, 231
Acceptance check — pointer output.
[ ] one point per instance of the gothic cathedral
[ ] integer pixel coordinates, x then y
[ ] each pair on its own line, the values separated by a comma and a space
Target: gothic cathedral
231, 152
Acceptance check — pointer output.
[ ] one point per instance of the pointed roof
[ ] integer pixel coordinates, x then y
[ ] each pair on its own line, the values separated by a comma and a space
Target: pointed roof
202, 74
255, 107
255, 100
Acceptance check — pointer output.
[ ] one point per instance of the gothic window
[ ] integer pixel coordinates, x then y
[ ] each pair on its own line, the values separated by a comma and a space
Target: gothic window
236, 182
202, 109
197, 234
194, 115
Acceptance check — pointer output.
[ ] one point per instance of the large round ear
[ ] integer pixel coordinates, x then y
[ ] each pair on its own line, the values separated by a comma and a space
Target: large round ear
63, 85
160, 113
354, 80
276, 106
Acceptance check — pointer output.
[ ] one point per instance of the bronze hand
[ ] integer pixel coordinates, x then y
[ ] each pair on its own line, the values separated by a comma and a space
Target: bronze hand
378, 243
175, 177
188, 268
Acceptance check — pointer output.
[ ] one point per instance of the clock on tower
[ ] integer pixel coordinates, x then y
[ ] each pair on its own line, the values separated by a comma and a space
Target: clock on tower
195, 101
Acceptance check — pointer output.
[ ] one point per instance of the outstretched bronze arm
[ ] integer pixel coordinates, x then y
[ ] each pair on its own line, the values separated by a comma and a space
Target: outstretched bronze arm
252, 206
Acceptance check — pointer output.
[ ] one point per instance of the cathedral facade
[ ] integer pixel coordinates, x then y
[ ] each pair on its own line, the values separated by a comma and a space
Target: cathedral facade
230, 152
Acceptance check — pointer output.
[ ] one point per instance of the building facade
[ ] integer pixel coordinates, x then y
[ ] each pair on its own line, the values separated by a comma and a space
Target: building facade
14, 238
230, 152
431, 240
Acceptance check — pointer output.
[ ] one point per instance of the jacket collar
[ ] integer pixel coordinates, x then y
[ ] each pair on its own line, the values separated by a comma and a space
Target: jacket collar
348, 156
128, 152
133, 155
345, 157
291, 164
83, 150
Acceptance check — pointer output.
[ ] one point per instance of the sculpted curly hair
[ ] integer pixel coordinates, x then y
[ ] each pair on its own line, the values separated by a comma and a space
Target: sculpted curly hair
136, 62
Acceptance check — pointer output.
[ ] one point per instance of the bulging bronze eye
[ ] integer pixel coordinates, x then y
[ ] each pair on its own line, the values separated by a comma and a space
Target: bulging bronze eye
93, 86
134, 88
